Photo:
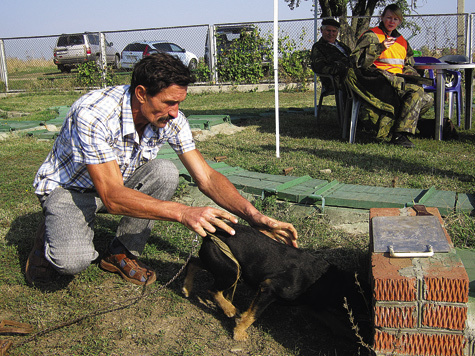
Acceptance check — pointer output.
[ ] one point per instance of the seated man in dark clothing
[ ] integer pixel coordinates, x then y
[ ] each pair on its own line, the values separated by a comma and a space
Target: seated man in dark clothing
330, 56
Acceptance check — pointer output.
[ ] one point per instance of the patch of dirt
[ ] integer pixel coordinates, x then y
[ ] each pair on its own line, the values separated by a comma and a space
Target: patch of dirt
223, 129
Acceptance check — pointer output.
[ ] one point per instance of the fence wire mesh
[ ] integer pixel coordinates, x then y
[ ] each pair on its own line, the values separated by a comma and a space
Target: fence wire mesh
26, 63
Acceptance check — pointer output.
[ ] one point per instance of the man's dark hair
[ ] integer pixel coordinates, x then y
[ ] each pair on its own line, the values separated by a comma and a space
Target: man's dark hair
158, 71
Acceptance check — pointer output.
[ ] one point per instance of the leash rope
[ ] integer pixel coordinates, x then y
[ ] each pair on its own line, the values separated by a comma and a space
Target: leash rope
131, 301
225, 249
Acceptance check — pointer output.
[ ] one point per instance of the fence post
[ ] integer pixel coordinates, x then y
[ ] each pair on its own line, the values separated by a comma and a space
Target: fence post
315, 35
470, 37
212, 54
103, 59
3, 65
461, 32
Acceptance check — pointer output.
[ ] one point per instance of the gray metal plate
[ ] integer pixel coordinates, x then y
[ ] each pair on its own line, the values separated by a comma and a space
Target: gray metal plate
408, 234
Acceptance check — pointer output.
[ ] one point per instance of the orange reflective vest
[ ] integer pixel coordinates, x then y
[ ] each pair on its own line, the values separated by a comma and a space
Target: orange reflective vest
392, 58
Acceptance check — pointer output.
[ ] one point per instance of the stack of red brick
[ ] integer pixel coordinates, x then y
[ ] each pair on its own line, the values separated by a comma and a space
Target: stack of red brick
419, 304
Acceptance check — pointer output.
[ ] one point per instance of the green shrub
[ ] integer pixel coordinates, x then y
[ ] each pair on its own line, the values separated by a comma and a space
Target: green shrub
249, 59
244, 60
294, 61
90, 75
202, 71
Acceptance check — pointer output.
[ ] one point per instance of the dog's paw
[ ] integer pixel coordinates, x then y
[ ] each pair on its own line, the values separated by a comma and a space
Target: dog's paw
229, 310
185, 292
240, 335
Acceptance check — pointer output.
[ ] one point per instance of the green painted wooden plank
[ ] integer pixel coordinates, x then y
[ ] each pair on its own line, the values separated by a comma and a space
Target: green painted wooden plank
325, 188
251, 185
216, 165
310, 191
43, 134
422, 197
445, 201
209, 117
168, 156
366, 197
62, 110
300, 193
4, 127
293, 197
200, 124
230, 170
468, 258
166, 150
19, 125
465, 202
307, 196
205, 122
57, 121
265, 176
291, 183
251, 182
307, 186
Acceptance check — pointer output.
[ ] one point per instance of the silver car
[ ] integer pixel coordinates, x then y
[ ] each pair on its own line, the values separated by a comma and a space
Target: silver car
135, 51
73, 49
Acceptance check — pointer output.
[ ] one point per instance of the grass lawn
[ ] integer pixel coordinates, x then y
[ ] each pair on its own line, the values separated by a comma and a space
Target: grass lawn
164, 322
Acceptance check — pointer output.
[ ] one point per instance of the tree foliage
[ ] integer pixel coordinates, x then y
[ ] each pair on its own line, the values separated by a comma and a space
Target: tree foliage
360, 11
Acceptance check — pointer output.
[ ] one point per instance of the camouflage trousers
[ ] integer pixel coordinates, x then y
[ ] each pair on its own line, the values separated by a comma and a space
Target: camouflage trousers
414, 103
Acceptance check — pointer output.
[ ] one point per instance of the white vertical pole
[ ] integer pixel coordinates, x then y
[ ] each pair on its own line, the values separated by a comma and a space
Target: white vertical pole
276, 76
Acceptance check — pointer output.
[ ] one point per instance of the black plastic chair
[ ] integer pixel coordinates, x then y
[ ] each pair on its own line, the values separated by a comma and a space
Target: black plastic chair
347, 106
339, 98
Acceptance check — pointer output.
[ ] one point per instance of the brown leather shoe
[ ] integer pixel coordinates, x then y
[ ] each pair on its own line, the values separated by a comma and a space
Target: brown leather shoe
38, 270
129, 268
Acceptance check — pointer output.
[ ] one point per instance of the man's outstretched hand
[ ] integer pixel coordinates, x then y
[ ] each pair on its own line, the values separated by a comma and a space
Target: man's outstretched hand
277, 230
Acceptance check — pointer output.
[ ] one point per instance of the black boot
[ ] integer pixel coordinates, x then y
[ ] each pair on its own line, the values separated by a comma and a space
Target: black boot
401, 139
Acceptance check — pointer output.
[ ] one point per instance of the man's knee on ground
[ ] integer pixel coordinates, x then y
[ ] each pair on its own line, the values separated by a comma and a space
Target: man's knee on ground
70, 263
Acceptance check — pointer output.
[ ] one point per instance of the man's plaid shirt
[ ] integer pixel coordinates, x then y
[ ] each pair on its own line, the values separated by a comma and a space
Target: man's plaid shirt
100, 128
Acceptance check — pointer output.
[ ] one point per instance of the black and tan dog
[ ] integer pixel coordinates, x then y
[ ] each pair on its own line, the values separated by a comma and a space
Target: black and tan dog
277, 271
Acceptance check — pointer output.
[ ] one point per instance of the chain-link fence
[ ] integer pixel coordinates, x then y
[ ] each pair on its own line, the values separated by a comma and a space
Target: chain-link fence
26, 63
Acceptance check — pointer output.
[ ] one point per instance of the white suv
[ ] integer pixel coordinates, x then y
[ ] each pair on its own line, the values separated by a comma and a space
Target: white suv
74, 49
135, 51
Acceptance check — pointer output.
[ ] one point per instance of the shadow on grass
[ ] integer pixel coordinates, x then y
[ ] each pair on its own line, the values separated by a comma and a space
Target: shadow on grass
301, 126
310, 329
22, 234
